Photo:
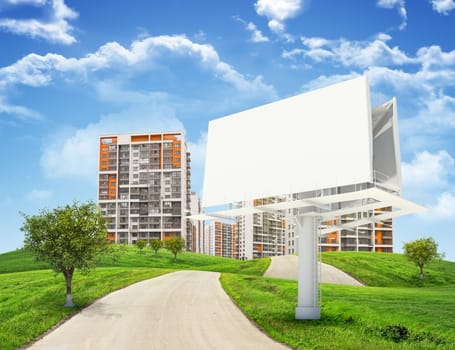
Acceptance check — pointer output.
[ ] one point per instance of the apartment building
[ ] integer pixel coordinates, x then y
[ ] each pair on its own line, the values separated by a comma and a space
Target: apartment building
262, 234
271, 234
196, 237
144, 186
222, 239
373, 237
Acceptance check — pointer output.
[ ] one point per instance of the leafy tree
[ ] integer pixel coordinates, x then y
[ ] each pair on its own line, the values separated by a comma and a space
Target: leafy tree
68, 238
175, 245
156, 244
140, 243
421, 252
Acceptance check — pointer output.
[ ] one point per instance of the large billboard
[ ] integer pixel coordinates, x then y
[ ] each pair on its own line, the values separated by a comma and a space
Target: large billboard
320, 139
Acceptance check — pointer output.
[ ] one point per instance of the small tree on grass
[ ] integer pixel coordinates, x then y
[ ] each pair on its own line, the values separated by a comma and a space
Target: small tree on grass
68, 238
156, 244
140, 244
175, 245
422, 252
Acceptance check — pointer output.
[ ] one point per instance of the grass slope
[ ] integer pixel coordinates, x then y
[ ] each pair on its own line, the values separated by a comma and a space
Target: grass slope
351, 317
20, 260
129, 256
390, 270
32, 298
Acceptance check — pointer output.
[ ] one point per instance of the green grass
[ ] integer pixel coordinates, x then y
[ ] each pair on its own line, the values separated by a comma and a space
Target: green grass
32, 302
129, 256
351, 317
20, 260
390, 270
32, 297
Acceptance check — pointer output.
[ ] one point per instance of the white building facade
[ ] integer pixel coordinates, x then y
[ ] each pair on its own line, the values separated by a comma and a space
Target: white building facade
262, 234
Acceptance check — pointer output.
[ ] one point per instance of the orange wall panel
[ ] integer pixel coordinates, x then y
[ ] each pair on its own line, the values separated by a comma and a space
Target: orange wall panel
139, 138
171, 136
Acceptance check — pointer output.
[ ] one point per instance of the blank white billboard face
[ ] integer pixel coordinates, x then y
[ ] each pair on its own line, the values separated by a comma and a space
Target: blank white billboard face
316, 140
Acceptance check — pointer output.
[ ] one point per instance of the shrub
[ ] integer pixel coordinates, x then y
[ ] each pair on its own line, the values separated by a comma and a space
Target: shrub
395, 332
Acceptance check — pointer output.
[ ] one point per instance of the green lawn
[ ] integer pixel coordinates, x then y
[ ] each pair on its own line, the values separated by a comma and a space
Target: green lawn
351, 317
32, 298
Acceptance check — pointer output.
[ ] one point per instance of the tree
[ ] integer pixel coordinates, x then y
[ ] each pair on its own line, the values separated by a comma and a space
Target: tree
156, 244
422, 252
140, 243
68, 238
175, 245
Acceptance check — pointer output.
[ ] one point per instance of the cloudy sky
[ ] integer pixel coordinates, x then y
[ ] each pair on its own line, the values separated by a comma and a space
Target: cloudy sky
72, 70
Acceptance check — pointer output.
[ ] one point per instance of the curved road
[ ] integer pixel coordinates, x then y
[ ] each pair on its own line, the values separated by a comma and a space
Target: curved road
181, 310
286, 266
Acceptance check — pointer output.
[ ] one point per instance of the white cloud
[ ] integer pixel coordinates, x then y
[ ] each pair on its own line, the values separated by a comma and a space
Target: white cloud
388, 4
443, 6
428, 171
73, 154
256, 34
56, 30
39, 194
17, 111
437, 114
444, 208
372, 53
352, 53
198, 150
278, 11
399, 5
326, 80
37, 70
433, 56
29, 2
427, 180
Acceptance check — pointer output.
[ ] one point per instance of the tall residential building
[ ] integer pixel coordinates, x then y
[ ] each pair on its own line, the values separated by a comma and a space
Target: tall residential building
196, 226
222, 239
270, 234
373, 237
144, 186
262, 234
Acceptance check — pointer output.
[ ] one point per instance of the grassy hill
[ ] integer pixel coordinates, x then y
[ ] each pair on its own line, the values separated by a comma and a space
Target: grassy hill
390, 270
129, 256
32, 298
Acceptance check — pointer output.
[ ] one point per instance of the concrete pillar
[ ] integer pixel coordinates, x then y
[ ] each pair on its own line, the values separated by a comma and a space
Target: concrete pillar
307, 306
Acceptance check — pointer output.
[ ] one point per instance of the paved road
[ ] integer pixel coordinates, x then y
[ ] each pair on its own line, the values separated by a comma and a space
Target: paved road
182, 310
286, 266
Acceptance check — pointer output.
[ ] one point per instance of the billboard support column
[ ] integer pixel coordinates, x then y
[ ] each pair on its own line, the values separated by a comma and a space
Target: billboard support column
307, 306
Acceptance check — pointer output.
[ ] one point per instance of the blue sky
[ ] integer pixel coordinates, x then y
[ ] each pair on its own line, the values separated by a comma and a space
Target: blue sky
72, 70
